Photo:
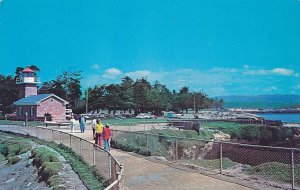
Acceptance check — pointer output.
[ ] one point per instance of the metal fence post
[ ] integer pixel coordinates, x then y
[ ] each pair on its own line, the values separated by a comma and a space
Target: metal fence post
176, 150
80, 146
147, 145
52, 134
221, 157
293, 170
109, 166
60, 138
94, 155
70, 141
36, 132
144, 126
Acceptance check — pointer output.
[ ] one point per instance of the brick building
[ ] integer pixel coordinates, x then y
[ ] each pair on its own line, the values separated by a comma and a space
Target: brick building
37, 106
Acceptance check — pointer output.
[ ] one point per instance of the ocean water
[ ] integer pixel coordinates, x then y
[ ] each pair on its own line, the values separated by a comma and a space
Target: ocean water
293, 118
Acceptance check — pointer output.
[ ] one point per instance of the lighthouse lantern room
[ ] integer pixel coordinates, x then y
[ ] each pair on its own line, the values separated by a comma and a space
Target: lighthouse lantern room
27, 81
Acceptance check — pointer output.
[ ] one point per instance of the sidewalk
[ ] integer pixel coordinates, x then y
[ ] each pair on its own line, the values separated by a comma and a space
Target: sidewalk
141, 173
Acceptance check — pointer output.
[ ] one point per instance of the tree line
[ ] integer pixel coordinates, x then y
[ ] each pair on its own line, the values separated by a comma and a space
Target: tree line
139, 96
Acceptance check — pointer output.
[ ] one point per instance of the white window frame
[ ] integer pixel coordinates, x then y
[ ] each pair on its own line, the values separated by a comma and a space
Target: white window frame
20, 110
31, 110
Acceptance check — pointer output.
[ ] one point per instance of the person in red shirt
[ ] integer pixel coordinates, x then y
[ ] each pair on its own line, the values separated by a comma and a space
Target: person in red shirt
106, 136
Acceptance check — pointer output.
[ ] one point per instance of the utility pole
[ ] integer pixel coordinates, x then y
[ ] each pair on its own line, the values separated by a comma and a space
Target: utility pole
194, 104
87, 101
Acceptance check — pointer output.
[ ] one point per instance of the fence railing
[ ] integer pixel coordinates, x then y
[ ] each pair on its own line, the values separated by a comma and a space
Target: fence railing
94, 155
259, 167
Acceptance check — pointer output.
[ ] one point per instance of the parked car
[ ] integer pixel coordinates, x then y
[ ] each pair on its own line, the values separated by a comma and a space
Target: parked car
144, 116
11, 116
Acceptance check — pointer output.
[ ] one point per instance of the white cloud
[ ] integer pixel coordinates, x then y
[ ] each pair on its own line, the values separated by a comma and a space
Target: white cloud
211, 82
222, 69
215, 81
95, 66
246, 67
111, 73
283, 71
257, 72
275, 71
140, 74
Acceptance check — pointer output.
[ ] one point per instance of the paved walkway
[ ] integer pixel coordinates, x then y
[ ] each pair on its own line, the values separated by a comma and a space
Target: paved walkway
141, 173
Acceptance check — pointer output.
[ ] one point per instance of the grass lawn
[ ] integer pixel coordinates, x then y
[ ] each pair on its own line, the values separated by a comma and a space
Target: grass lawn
130, 121
30, 123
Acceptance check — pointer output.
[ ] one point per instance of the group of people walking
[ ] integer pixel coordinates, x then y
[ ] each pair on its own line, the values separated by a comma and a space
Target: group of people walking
101, 133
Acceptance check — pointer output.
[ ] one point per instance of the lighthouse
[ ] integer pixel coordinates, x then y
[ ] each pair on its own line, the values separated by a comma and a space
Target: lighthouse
34, 106
27, 82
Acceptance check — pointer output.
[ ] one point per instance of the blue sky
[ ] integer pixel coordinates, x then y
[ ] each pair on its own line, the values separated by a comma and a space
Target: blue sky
223, 47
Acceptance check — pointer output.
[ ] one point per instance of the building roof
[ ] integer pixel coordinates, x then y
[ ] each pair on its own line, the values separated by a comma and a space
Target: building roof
28, 70
37, 99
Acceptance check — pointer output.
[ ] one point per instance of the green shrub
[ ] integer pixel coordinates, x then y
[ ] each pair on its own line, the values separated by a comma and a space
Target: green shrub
275, 171
48, 165
13, 160
2, 157
42, 155
13, 147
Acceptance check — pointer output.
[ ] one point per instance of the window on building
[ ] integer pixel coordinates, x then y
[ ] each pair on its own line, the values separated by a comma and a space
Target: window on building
20, 110
31, 110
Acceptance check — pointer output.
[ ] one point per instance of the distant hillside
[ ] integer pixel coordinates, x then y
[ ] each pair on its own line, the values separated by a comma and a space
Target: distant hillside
261, 101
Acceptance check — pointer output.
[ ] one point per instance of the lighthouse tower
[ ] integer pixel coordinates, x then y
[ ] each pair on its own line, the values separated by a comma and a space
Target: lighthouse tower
27, 82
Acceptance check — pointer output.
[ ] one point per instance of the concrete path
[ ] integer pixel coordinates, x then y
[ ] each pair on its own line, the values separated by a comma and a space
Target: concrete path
141, 173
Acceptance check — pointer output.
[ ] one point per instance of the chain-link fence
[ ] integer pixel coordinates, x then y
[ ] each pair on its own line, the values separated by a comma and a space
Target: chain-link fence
259, 167
104, 162
138, 125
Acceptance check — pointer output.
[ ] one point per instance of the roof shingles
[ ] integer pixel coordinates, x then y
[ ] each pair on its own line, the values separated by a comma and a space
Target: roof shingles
34, 99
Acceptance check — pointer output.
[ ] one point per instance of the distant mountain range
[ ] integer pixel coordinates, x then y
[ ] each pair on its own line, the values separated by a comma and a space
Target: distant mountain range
261, 101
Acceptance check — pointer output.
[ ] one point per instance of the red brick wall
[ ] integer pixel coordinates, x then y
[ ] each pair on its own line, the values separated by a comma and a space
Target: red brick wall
54, 107
27, 109
27, 90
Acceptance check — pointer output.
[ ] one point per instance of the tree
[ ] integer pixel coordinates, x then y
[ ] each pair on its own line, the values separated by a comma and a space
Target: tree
140, 98
66, 86
159, 98
112, 97
126, 87
182, 99
8, 93
96, 97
